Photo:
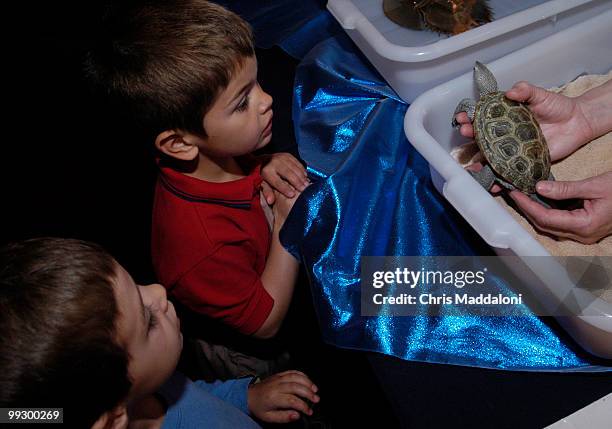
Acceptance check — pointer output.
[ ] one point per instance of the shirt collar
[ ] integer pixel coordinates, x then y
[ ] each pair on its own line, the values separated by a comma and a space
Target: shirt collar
236, 193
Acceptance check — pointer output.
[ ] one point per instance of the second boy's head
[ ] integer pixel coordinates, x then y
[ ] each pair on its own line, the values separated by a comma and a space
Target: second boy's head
188, 72
78, 333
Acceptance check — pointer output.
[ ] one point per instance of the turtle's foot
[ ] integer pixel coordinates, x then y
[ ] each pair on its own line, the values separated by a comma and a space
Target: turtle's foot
485, 177
546, 202
466, 105
549, 203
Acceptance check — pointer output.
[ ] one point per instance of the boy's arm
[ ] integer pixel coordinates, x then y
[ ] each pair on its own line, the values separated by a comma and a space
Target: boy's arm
233, 391
197, 404
279, 398
225, 286
281, 271
278, 280
254, 305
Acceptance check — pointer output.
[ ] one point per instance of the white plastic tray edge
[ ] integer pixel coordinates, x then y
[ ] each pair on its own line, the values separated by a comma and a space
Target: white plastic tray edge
351, 18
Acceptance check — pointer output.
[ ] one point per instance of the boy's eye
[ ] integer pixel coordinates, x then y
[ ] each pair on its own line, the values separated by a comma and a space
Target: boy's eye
152, 320
243, 104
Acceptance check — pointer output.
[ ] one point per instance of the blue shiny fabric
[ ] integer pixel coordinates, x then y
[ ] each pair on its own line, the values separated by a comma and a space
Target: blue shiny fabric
274, 21
372, 195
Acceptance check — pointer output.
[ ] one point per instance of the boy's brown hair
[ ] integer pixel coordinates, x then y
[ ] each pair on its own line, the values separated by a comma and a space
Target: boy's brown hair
167, 61
58, 315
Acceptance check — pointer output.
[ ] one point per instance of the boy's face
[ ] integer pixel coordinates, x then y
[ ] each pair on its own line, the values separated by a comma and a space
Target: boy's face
240, 120
149, 330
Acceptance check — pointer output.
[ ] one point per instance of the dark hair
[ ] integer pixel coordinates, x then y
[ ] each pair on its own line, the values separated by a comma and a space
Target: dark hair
58, 345
167, 61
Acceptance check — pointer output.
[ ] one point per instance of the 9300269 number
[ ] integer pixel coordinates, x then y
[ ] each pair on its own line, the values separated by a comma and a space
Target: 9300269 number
31, 415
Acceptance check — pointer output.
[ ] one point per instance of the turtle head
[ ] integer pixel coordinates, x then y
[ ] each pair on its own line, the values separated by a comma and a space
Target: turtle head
484, 79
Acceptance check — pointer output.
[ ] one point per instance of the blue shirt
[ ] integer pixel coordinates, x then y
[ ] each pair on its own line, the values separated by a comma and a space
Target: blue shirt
194, 405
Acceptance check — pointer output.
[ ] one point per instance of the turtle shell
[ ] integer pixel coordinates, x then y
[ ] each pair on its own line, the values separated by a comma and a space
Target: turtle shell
511, 140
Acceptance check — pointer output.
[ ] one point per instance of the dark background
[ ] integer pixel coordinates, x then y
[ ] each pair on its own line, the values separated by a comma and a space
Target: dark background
71, 168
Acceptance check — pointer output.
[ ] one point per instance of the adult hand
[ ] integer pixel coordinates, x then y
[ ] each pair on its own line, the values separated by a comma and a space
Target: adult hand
561, 118
280, 397
284, 173
588, 224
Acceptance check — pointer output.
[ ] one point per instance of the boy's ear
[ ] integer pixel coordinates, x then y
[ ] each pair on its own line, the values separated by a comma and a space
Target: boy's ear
177, 144
117, 418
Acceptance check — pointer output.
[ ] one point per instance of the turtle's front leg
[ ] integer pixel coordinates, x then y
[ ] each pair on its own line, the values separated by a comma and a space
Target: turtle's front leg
466, 105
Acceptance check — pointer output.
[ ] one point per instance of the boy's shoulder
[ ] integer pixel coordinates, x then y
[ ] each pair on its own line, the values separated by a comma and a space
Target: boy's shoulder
188, 210
186, 190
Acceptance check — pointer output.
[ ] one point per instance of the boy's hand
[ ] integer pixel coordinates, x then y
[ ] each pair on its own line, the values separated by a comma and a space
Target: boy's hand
281, 208
284, 174
280, 397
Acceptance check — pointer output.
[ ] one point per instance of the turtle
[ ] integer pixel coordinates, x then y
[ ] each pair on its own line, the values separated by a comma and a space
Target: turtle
442, 16
508, 136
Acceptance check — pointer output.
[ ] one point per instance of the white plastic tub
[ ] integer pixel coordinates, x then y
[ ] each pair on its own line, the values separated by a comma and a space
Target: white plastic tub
585, 48
414, 61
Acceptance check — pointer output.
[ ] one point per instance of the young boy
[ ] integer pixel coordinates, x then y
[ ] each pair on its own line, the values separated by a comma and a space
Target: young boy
188, 70
78, 334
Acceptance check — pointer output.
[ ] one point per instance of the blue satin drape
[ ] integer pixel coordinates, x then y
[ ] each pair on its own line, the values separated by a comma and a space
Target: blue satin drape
372, 195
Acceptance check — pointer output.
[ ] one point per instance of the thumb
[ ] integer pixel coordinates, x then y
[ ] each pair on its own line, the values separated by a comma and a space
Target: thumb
268, 193
525, 92
558, 190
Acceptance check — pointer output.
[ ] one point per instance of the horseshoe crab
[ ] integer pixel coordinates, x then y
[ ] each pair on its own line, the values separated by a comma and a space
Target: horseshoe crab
442, 16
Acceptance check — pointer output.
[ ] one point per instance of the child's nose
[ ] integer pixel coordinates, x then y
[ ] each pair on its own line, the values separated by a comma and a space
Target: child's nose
265, 102
159, 295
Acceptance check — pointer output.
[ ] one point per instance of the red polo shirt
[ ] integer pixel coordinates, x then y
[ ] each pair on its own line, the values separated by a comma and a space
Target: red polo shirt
210, 242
